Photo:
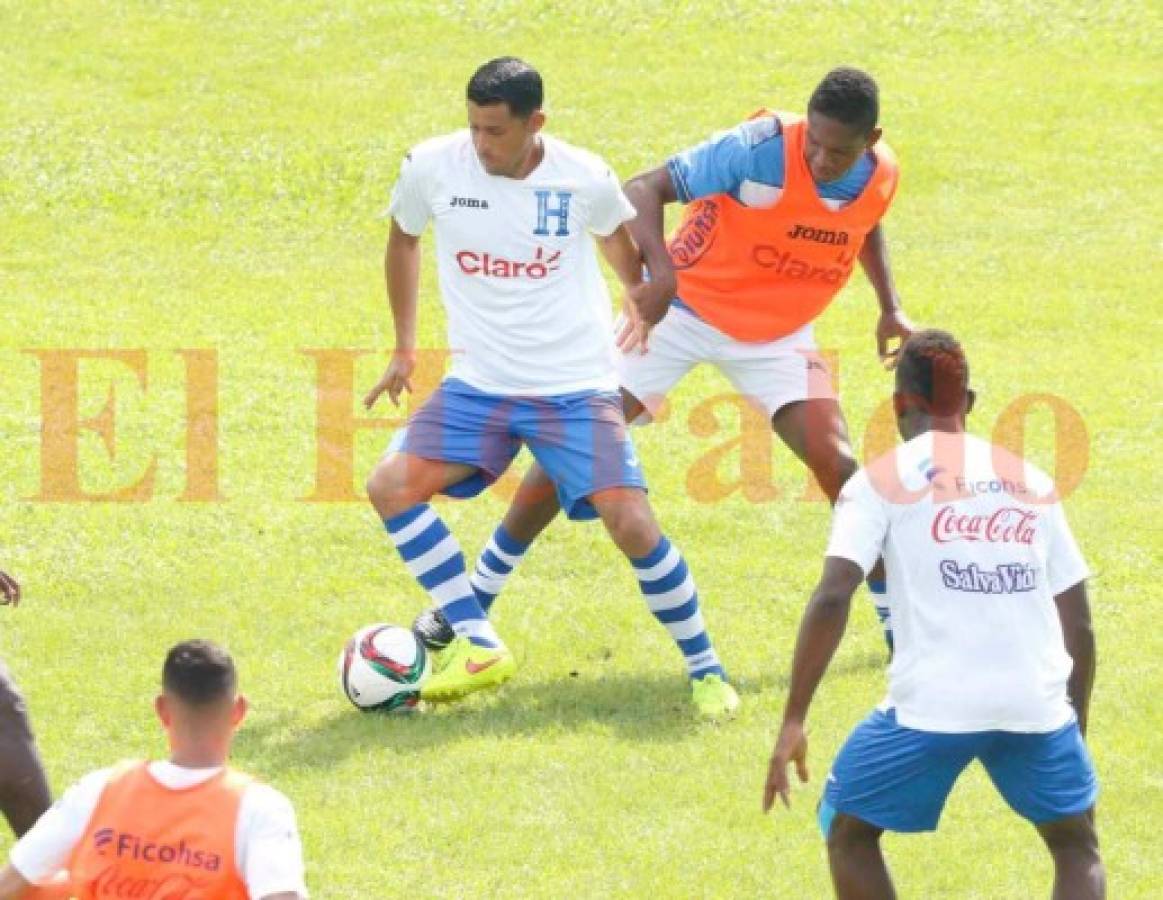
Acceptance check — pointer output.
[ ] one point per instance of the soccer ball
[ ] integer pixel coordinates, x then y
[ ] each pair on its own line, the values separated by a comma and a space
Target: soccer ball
383, 668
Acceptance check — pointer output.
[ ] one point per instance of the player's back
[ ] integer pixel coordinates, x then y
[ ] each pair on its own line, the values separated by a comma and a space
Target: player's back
976, 547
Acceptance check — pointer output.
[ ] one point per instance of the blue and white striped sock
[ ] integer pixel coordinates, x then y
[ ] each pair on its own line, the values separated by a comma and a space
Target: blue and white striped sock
495, 565
434, 558
670, 593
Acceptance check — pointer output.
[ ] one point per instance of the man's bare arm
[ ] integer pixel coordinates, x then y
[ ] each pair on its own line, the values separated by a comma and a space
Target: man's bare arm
892, 323
402, 275
649, 193
1074, 614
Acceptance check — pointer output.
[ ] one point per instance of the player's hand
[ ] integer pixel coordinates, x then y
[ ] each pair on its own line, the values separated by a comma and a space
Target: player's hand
397, 378
9, 590
791, 746
652, 298
892, 324
632, 331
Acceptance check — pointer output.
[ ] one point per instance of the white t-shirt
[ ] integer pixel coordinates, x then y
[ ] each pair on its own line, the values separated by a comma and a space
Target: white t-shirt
528, 309
267, 850
975, 546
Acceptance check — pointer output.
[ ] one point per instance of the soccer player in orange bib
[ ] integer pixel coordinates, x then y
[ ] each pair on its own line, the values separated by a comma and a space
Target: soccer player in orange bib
190, 827
779, 211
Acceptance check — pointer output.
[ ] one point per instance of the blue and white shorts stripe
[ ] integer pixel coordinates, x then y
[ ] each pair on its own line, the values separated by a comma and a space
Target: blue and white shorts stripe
580, 440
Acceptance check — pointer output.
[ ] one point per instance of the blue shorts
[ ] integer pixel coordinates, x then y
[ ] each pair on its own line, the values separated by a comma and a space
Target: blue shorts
580, 440
898, 778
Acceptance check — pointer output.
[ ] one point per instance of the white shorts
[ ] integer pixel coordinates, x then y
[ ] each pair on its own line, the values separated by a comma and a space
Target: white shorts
770, 374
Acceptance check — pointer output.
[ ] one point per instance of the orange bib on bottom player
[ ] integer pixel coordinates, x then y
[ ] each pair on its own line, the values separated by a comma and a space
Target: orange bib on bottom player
760, 274
147, 840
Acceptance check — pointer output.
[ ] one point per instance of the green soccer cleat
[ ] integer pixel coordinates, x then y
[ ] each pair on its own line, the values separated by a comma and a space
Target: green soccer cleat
714, 698
464, 668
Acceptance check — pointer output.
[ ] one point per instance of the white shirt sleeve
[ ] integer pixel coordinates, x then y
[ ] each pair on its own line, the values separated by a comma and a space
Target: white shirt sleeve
859, 524
1065, 566
46, 848
269, 852
410, 205
609, 207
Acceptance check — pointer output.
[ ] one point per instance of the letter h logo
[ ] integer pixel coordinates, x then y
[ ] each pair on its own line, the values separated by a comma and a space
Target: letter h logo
561, 213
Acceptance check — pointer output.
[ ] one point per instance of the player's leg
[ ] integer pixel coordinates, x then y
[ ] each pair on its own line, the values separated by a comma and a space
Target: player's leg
1078, 868
400, 489
790, 380
858, 868
533, 508
674, 350
455, 444
584, 446
677, 344
24, 793
669, 591
815, 431
885, 778
1050, 780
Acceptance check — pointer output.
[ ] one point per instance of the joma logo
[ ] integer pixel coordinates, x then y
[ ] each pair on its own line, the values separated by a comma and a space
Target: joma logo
819, 235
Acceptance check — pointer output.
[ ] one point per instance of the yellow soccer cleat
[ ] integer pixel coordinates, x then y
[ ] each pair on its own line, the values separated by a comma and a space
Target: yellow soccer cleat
464, 668
714, 698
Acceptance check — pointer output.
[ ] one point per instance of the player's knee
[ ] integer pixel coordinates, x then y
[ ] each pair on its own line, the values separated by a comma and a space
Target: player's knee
629, 520
1074, 839
388, 488
848, 834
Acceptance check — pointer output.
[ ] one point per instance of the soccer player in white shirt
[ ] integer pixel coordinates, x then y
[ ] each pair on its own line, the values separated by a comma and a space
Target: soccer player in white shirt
994, 649
516, 214
165, 828
723, 292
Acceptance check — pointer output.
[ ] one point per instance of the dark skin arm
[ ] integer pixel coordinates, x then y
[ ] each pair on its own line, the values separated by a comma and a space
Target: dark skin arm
820, 632
893, 323
1074, 614
650, 192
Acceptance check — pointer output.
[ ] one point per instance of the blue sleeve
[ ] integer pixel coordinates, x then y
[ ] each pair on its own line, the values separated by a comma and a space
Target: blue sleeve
752, 151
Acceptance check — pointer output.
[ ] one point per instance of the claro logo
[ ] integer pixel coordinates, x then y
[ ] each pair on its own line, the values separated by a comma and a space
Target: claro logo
487, 265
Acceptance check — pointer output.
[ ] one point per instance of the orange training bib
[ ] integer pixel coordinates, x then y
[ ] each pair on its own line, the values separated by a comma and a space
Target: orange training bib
760, 274
145, 840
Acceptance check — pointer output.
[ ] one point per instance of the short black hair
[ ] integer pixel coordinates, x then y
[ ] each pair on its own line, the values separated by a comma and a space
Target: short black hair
933, 368
199, 673
849, 96
508, 80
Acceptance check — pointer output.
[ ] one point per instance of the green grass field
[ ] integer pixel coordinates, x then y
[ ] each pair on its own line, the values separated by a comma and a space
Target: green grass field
181, 175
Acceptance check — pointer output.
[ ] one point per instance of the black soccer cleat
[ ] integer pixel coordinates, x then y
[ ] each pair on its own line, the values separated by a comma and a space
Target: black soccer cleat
433, 630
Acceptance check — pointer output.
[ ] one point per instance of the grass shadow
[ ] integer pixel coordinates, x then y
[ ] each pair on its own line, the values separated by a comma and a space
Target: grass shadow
629, 708
851, 664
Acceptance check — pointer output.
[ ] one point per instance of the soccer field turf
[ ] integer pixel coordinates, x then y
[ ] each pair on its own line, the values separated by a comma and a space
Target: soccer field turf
181, 176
